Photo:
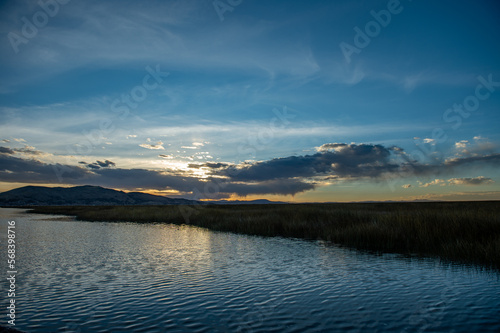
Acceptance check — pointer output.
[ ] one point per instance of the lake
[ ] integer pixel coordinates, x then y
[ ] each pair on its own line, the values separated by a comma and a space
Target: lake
78, 276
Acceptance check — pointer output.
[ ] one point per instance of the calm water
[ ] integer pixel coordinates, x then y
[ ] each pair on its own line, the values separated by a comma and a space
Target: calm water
124, 277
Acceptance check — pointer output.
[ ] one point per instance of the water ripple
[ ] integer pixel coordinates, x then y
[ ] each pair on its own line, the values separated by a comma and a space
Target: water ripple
125, 277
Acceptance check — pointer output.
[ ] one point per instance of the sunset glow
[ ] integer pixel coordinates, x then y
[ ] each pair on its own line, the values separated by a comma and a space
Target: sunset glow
295, 101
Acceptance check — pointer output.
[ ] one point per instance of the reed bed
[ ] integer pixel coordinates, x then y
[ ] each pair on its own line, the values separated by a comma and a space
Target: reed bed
467, 232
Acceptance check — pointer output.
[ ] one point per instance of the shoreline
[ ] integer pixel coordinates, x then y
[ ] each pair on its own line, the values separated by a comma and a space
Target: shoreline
461, 232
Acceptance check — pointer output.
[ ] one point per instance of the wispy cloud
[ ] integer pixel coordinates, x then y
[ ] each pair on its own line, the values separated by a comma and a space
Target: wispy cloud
440, 182
459, 181
157, 146
29, 150
471, 181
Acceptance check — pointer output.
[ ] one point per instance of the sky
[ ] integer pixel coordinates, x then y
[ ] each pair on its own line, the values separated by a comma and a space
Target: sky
297, 101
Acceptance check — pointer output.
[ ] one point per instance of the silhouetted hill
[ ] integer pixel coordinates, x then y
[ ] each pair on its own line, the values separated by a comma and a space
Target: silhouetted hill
81, 195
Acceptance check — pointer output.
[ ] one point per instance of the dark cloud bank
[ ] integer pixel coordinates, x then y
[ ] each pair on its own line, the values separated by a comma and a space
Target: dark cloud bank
287, 175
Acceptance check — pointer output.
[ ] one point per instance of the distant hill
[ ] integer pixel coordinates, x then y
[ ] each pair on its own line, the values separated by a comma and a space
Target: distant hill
83, 196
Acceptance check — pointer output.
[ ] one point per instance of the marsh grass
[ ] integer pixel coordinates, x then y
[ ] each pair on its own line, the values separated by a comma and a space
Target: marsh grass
467, 232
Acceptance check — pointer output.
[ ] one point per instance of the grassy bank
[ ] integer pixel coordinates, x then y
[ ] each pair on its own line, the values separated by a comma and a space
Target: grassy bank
466, 232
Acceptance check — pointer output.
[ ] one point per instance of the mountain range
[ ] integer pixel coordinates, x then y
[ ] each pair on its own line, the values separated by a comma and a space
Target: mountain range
83, 196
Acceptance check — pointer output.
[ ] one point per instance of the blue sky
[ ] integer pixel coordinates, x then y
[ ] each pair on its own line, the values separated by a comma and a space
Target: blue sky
253, 99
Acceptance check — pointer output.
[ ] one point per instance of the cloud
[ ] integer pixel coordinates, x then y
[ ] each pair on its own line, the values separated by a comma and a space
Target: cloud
491, 159
19, 170
459, 181
209, 165
434, 182
471, 181
282, 176
5, 150
279, 186
99, 164
30, 150
431, 141
461, 144
331, 146
448, 166
479, 147
346, 160
142, 178
158, 145
105, 164
168, 157
211, 188
14, 169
